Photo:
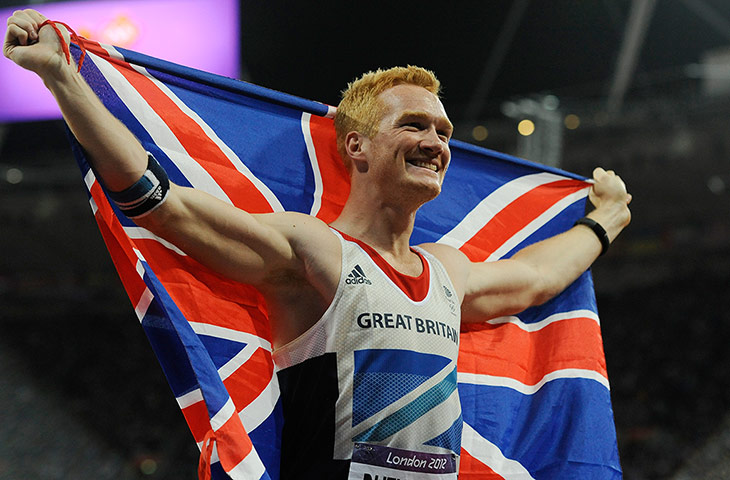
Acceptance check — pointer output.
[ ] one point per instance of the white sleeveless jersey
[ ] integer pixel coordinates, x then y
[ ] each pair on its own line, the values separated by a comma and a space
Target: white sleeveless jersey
390, 343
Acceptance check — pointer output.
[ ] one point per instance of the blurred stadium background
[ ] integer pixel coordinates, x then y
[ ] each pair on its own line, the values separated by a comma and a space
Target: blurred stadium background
639, 86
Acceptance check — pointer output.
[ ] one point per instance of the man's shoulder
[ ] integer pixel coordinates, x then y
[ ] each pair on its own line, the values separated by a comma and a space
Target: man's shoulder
444, 253
456, 263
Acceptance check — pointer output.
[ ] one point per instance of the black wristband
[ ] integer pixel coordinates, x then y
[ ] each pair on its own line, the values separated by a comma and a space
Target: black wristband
598, 230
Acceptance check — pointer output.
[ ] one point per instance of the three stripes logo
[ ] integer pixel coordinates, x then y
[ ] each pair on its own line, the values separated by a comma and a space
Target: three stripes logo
357, 276
157, 193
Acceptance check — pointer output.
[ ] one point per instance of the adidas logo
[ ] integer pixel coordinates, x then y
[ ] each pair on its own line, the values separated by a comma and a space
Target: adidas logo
157, 194
357, 276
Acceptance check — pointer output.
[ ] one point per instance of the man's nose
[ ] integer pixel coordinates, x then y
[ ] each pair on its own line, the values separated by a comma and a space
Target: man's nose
432, 142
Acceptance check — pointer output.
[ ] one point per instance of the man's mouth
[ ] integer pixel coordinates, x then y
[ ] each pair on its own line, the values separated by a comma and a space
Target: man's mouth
424, 164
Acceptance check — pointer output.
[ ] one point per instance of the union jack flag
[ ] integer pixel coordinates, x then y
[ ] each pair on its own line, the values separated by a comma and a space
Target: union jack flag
534, 387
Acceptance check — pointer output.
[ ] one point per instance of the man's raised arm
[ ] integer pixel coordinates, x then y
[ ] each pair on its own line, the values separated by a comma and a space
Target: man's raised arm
116, 154
242, 246
541, 271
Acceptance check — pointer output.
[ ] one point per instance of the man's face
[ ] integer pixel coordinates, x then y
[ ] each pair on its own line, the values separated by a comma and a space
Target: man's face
411, 146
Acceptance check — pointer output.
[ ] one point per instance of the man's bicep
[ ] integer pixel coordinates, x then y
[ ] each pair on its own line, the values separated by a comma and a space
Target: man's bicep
237, 244
495, 289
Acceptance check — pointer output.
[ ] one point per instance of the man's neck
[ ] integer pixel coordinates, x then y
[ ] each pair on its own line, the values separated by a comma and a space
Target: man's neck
382, 214
384, 229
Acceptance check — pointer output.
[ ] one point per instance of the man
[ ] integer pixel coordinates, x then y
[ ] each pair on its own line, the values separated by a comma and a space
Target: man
357, 313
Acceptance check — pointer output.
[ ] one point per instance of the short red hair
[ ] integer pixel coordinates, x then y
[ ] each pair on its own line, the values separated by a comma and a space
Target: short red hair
360, 109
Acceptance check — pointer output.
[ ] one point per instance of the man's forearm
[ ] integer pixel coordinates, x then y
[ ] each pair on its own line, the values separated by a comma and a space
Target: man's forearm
560, 260
114, 152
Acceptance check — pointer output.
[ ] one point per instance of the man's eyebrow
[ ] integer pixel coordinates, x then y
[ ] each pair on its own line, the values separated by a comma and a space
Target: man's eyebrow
423, 116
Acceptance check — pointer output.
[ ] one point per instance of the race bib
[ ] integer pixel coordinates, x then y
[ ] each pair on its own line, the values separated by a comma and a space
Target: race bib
376, 462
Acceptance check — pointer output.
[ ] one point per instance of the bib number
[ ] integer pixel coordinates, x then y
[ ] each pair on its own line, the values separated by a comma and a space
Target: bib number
377, 462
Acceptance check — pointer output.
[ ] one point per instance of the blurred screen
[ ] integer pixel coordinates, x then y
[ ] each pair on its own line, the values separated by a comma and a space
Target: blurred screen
187, 32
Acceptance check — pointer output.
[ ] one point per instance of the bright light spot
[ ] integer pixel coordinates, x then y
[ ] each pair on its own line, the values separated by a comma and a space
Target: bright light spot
14, 176
526, 128
122, 31
716, 185
571, 121
148, 466
480, 133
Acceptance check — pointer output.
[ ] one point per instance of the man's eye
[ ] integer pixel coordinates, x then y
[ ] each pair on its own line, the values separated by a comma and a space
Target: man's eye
416, 125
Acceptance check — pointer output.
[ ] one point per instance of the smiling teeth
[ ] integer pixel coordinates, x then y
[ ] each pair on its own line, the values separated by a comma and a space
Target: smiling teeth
430, 166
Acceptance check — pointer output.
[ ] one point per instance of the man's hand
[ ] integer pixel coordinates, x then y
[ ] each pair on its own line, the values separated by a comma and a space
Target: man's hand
33, 48
611, 200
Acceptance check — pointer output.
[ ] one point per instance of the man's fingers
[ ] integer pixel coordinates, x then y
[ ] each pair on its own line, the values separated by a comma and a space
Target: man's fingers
22, 29
23, 19
21, 23
16, 35
598, 172
29, 21
36, 16
30, 15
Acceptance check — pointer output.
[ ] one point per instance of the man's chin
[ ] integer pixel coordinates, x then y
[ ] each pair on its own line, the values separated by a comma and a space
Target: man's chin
427, 191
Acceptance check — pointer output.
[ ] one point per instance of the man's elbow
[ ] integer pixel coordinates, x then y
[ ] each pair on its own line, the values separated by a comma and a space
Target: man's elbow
165, 218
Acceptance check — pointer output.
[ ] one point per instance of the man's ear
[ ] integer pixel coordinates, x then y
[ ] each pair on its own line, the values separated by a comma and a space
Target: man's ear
356, 145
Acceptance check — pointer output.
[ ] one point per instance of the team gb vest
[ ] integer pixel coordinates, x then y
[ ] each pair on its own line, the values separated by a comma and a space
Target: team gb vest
379, 368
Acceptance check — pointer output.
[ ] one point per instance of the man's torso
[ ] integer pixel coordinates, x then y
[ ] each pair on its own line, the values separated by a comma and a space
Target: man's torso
378, 367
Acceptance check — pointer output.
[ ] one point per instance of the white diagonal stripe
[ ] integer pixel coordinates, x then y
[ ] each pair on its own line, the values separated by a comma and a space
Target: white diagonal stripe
189, 398
89, 180
537, 223
139, 266
252, 414
261, 407
491, 205
223, 415
93, 205
139, 233
236, 361
250, 468
312, 154
490, 455
156, 127
500, 198
227, 151
230, 334
143, 304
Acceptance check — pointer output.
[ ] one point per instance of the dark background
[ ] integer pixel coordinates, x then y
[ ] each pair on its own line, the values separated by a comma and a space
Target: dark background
81, 394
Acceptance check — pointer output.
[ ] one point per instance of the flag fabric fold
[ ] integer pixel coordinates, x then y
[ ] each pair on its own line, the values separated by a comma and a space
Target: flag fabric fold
534, 387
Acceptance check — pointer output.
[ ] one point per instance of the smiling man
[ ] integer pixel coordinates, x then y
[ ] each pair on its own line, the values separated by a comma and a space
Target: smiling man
365, 325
